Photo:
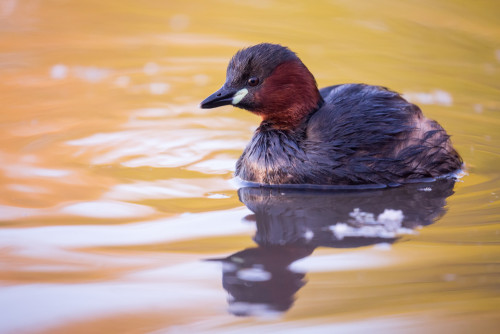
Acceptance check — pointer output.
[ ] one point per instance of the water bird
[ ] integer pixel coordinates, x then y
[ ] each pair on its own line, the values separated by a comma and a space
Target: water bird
345, 134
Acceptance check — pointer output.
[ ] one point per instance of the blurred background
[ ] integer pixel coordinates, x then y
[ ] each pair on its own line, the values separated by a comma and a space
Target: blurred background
116, 187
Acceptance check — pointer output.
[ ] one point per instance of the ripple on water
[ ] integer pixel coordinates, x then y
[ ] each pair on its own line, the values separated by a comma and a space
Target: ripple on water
164, 189
103, 239
161, 143
183, 227
107, 209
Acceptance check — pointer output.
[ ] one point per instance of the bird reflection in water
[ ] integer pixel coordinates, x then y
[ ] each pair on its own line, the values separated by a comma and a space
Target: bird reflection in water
292, 223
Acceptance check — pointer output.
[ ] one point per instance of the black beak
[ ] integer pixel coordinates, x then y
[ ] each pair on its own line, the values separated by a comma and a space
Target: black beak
222, 97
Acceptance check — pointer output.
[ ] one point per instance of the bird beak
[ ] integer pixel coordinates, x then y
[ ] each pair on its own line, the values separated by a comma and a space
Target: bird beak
222, 97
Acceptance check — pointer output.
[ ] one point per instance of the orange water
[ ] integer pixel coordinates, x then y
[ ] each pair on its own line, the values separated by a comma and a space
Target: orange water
116, 188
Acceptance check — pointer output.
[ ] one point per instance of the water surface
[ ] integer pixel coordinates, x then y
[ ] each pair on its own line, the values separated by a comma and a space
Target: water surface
118, 210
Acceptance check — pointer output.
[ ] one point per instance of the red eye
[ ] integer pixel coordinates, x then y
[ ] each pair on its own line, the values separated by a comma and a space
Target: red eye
253, 81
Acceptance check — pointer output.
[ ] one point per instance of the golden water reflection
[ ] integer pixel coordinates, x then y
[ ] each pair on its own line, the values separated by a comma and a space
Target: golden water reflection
117, 189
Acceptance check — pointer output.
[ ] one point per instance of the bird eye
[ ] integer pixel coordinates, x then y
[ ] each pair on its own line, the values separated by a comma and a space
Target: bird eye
253, 81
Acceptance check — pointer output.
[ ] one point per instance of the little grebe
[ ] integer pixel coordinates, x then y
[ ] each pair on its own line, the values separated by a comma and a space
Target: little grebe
346, 134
